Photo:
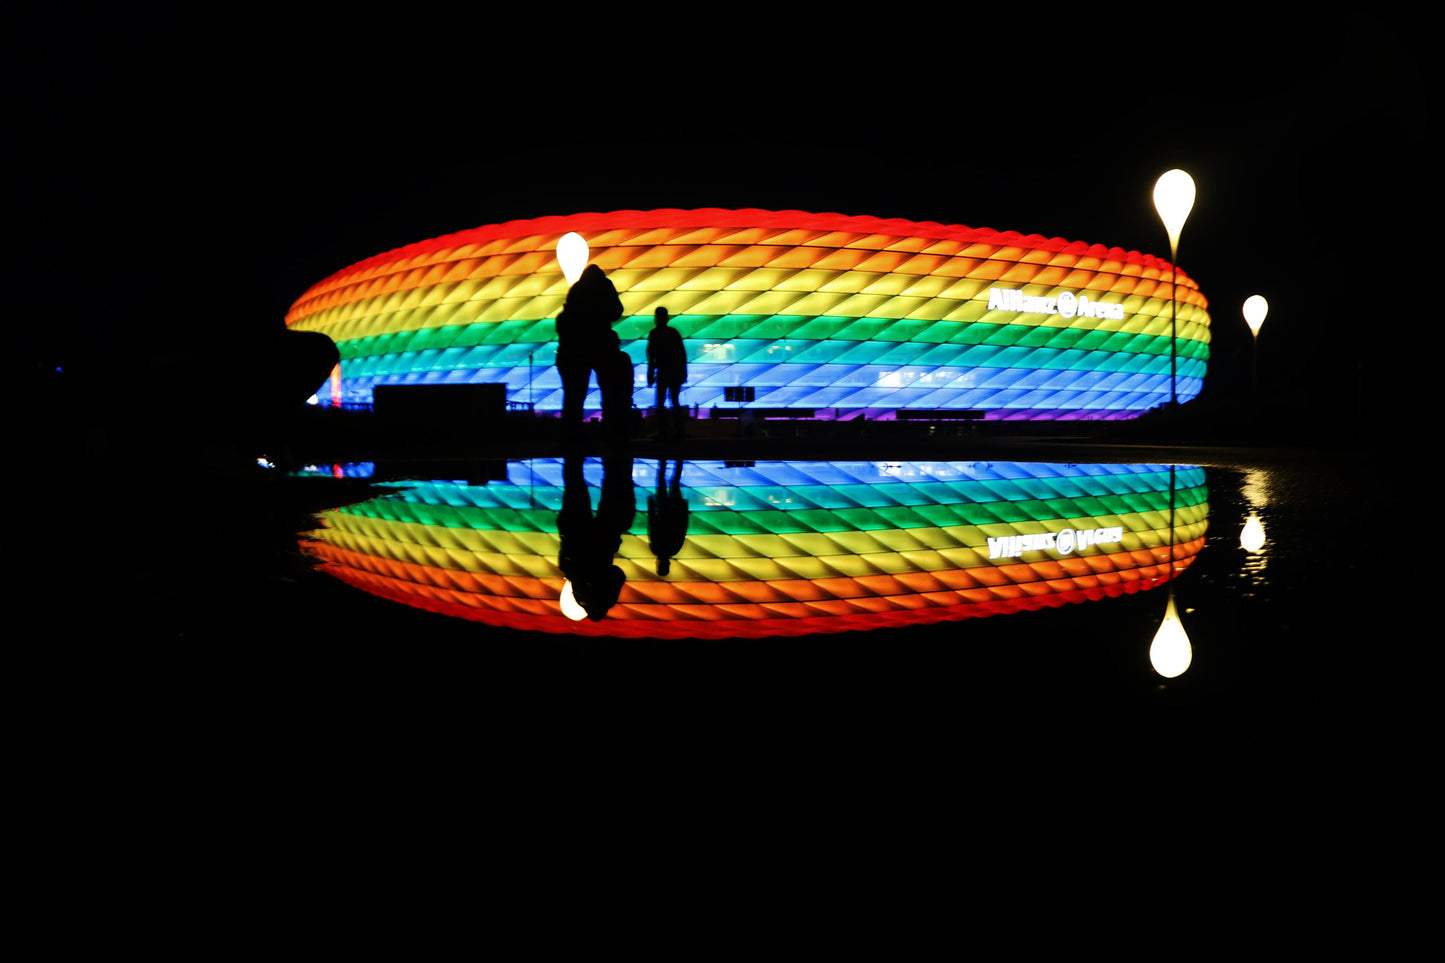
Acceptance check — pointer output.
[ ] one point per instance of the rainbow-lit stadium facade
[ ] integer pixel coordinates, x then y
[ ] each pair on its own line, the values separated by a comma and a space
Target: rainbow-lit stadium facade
842, 314
775, 548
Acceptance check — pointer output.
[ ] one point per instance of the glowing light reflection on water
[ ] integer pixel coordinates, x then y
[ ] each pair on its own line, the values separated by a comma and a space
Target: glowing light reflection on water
716, 549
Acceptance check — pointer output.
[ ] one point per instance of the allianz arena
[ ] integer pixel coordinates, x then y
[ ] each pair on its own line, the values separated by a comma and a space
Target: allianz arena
841, 314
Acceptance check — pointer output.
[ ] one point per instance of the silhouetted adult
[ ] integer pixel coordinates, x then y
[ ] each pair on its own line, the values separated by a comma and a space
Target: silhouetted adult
666, 517
666, 366
584, 336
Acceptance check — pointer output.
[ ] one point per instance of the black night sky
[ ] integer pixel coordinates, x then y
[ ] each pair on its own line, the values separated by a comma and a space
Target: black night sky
266, 153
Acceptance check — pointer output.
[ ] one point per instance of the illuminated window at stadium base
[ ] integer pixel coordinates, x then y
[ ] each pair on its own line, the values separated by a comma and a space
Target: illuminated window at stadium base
707, 549
825, 311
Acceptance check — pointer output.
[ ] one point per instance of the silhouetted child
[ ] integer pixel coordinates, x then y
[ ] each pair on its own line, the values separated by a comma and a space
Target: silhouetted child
615, 376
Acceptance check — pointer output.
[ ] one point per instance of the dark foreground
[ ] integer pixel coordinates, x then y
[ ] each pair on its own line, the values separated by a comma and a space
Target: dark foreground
178, 671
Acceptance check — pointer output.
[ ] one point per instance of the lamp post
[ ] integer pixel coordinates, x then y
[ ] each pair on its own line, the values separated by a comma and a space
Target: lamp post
1256, 492
1255, 308
1251, 537
1173, 199
572, 255
1170, 653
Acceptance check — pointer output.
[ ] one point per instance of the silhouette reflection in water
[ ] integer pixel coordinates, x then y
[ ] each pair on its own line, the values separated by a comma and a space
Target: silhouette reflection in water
589, 541
667, 516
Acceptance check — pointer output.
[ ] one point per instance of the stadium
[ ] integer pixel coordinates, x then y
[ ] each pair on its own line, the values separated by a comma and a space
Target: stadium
846, 316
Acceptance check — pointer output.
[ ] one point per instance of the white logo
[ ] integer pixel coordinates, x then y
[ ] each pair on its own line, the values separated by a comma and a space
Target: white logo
1066, 305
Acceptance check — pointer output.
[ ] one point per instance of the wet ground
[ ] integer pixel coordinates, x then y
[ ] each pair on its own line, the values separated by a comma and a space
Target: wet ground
182, 661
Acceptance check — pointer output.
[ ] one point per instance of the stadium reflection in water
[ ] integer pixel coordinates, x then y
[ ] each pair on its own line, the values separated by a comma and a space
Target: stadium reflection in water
633, 547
